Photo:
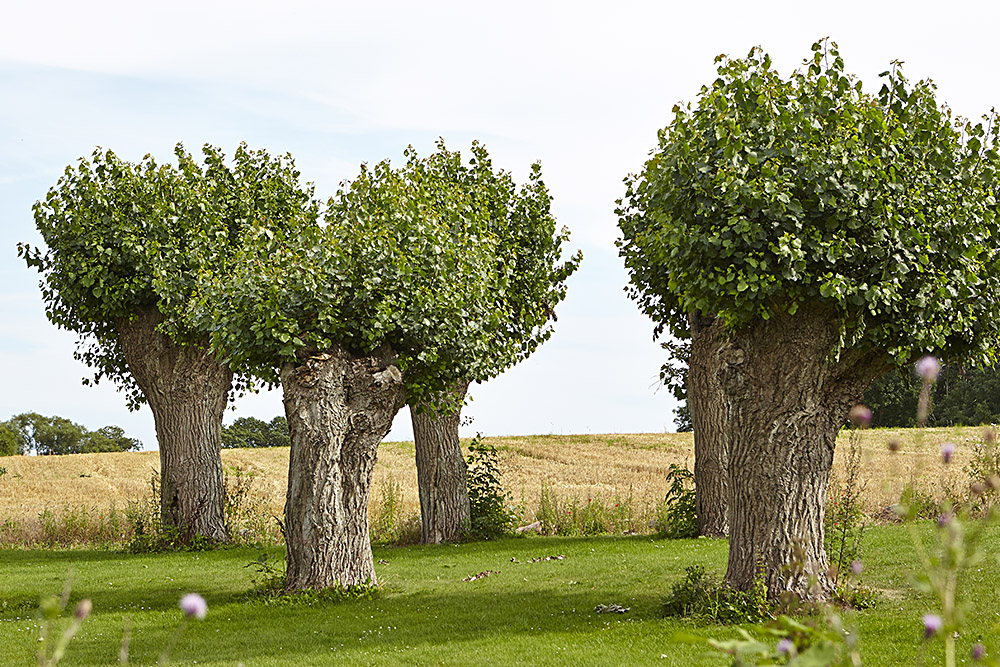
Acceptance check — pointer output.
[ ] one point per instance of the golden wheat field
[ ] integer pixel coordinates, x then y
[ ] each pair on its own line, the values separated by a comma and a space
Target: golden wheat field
628, 467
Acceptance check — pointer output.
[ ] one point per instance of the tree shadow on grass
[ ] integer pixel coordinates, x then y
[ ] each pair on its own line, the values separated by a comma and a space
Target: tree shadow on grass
412, 628
426, 614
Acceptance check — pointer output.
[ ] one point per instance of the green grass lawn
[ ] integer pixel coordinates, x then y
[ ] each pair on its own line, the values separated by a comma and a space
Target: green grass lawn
528, 613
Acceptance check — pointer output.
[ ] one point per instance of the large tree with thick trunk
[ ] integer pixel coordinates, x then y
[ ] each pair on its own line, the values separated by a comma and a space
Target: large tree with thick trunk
825, 234
118, 269
388, 299
442, 484
705, 396
689, 372
530, 281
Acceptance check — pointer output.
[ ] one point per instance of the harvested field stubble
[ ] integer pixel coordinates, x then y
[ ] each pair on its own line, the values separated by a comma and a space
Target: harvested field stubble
629, 467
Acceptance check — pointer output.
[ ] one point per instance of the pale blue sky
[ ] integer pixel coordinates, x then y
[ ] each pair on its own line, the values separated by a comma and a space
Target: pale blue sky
581, 87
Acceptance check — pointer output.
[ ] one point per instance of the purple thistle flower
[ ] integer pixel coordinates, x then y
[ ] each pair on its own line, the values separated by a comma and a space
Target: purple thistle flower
860, 415
932, 625
978, 651
947, 451
928, 368
785, 647
83, 609
944, 519
857, 567
194, 605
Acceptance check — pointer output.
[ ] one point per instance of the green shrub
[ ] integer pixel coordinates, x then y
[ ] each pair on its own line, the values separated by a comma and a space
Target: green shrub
269, 586
150, 534
918, 504
492, 513
388, 523
247, 521
703, 597
678, 516
844, 519
849, 595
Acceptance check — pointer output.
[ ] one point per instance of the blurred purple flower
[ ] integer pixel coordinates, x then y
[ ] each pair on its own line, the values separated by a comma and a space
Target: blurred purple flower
786, 646
947, 451
928, 368
860, 415
944, 519
194, 605
83, 609
932, 625
978, 651
857, 567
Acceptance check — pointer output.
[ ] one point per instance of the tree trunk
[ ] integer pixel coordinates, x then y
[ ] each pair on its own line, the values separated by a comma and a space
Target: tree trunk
787, 398
441, 468
339, 407
706, 401
187, 389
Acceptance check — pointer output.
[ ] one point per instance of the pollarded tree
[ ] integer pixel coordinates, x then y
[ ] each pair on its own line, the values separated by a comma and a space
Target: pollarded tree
386, 299
118, 270
531, 281
691, 374
835, 234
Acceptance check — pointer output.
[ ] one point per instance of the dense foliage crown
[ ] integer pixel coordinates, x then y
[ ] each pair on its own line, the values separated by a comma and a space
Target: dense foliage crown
775, 192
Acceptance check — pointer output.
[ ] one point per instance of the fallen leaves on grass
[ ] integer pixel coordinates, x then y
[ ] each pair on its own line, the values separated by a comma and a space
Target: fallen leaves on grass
539, 559
611, 609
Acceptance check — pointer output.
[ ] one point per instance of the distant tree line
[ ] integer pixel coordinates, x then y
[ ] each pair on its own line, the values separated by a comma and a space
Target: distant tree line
32, 433
961, 397
253, 432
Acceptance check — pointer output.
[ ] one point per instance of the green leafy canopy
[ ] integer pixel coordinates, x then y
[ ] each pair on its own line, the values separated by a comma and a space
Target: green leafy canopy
119, 238
403, 258
774, 192
532, 274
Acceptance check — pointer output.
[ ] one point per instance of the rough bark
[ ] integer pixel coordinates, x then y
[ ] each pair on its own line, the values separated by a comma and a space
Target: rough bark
706, 401
441, 470
787, 398
187, 389
339, 407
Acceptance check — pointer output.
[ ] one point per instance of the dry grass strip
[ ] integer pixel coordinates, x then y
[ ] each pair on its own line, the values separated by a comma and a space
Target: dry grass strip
574, 466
